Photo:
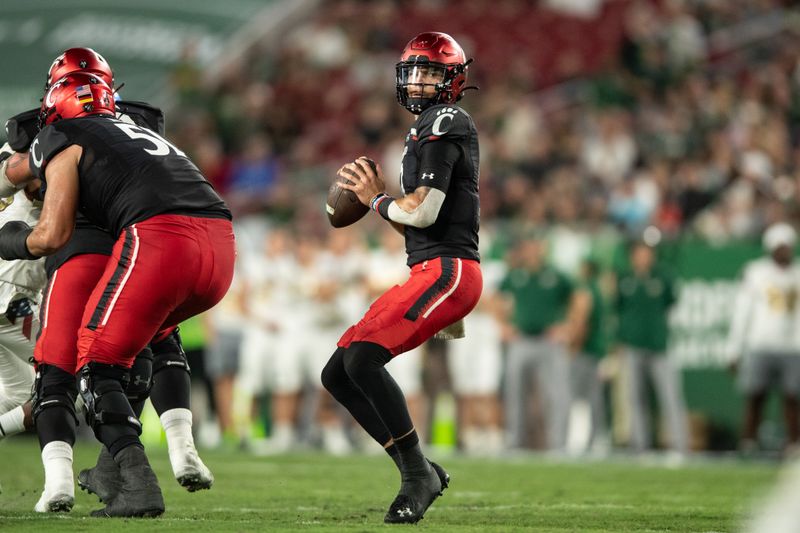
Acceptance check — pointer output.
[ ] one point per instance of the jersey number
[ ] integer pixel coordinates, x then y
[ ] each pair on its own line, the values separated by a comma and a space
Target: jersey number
162, 146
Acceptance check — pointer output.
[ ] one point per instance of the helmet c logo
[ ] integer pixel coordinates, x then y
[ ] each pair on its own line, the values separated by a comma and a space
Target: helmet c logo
47, 101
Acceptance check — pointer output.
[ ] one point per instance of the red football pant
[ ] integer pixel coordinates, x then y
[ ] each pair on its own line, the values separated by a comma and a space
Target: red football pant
63, 303
439, 292
161, 272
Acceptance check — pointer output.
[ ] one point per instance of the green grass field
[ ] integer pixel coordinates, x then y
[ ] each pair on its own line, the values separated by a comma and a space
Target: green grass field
312, 492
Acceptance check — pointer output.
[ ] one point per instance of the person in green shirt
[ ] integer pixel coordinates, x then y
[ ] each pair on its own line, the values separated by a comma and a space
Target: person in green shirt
583, 333
645, 294
538, 295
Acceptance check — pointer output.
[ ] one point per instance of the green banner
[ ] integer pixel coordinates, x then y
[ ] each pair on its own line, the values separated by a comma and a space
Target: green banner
142, 40
708, 281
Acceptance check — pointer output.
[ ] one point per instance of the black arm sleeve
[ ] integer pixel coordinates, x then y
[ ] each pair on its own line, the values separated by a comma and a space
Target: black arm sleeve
437, 160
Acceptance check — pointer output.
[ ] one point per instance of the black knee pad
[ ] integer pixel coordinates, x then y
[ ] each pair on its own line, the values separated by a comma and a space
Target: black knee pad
168, 353
102, 388
333, 375
362, 359
53, 387
141, 377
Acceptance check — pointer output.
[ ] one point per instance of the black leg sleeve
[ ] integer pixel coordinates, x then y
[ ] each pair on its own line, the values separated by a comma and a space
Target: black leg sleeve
172, 380
54, 405
338, 383
364, 364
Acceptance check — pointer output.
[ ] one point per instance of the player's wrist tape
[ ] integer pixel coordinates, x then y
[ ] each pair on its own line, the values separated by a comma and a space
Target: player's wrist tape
13, 237
381, 204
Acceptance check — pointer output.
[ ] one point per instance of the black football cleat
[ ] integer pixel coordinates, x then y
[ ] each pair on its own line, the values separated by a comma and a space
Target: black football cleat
139, 494
103, 479
416, 495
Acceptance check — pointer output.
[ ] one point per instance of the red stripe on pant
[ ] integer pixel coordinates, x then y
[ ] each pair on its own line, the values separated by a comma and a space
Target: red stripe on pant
66, 295
172, 268
439, 292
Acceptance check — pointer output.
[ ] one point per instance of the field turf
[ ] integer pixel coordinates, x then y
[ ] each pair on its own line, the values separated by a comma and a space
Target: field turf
313, 492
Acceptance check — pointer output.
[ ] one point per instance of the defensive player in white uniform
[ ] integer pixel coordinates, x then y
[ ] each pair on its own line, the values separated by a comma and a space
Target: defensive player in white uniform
267, 268
764, 339
476, 366
21, 284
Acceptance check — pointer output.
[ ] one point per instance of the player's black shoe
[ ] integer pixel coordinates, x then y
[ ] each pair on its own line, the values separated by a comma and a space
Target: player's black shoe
139, 494
103, 479
416, 495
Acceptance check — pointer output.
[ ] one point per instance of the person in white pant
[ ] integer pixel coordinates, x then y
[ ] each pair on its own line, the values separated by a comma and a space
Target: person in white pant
764, 337
476, 367
21, 284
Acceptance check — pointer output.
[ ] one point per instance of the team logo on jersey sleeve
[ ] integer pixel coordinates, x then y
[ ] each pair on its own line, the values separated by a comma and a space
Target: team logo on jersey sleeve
444, 120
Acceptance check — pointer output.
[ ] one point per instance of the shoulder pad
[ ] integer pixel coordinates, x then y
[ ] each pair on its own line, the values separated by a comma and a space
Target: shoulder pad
21, 130
443, 121
141, 114
50, 141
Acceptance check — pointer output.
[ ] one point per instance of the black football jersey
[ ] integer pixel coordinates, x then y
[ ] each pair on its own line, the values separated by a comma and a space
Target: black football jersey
87, 237
127, 173
439, 130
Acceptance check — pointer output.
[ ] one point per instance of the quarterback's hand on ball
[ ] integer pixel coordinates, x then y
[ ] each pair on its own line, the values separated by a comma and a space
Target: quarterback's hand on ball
364, 177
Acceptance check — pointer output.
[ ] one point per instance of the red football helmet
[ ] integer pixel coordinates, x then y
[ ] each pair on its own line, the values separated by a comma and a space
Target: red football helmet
433, 59
79, 60
76, 95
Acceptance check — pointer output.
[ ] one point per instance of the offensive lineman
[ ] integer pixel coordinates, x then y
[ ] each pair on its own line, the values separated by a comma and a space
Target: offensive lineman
173, 257
72, 273
438, 215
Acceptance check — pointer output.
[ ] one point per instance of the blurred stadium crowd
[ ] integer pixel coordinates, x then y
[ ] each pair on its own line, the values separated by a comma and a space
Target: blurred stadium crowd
602, 124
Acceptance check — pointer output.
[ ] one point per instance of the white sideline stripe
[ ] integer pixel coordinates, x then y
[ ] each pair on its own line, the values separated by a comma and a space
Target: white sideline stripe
127, 275
446, 295
49, 296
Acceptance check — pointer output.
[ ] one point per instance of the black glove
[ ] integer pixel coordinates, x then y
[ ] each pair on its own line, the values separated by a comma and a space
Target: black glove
12, 241
21, 129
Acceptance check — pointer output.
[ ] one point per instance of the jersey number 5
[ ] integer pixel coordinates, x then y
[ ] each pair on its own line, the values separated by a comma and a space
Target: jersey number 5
162, 146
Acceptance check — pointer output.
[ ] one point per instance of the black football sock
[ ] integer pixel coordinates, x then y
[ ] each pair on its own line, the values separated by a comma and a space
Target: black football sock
338, 383
55, 424
172, 388
394, 453
414, 463
138, 407
364, 363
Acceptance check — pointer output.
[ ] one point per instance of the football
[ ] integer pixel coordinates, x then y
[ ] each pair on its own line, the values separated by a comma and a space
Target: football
343, 206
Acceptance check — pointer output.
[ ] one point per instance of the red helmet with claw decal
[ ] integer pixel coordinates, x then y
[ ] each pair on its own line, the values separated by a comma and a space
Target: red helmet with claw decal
79, 60
432, 70
76, 95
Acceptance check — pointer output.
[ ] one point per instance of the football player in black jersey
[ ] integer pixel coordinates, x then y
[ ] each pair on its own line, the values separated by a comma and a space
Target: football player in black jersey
438, 214
160, 371
142, 188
